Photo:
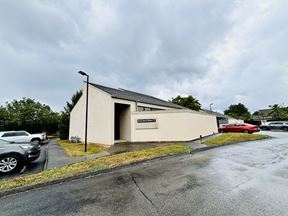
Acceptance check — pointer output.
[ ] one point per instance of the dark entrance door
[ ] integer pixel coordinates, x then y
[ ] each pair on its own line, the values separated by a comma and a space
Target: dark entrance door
117, 122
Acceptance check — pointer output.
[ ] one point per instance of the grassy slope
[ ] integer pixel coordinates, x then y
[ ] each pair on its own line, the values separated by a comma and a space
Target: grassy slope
92, 165
233, 137
77, 149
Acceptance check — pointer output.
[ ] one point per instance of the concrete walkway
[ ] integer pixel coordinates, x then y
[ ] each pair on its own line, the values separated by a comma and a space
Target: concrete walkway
198, 144
57, 157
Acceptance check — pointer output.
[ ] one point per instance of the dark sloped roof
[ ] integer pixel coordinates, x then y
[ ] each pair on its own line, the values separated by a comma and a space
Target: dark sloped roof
134, 96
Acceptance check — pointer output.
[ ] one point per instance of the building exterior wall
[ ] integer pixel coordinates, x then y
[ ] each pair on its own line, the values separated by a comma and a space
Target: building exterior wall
100, 121
77, 119
173, 125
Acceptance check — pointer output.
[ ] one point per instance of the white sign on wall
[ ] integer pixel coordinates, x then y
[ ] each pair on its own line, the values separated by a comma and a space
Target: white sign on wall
150, 123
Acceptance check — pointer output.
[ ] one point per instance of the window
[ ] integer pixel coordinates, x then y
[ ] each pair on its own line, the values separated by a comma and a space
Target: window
3, 142
21, 133
275, 124
11, 134
141, 108
238, 124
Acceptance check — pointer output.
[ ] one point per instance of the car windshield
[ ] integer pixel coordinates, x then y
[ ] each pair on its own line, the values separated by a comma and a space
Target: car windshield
3, 142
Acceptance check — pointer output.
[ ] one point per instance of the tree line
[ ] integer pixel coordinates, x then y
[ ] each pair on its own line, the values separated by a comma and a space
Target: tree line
239, 111
35, 117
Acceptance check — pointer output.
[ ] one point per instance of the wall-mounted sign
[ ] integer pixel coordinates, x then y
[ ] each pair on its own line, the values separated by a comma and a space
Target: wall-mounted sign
150, 123
146, 120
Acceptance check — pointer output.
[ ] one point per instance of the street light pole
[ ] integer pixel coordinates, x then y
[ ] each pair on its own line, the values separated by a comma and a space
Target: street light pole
87, 98
211, 107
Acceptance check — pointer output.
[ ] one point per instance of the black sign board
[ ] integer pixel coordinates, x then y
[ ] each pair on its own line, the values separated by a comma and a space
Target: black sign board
146, 120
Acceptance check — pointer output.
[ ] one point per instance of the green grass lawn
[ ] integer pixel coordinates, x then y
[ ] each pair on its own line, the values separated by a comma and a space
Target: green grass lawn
92, 165
233, 137
77, 149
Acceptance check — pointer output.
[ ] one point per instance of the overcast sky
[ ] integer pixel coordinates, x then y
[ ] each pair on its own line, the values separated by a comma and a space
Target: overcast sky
221, 52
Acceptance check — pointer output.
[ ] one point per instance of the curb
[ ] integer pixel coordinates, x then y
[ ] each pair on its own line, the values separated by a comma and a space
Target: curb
95, 173
232, 143
46, 157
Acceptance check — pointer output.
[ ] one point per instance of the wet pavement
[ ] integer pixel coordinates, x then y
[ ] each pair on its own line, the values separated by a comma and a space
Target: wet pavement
57, 157
242, 179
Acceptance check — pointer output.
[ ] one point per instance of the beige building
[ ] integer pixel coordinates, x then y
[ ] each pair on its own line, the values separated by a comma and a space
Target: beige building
117, 115
224, 119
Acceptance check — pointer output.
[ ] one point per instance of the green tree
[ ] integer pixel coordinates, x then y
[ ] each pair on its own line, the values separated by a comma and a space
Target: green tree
28, 114
3, 118
238, 111
189, 102
278, 112
65, 116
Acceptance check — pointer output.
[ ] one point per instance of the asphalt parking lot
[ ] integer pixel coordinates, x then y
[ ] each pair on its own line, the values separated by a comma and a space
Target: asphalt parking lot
250, 179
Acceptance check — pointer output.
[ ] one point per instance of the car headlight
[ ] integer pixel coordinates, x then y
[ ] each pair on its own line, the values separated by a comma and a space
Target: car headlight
25, 147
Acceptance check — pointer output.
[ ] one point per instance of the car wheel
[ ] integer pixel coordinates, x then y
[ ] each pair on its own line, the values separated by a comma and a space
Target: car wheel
246, 131
221, 131
285, 129
10, 163
265, 128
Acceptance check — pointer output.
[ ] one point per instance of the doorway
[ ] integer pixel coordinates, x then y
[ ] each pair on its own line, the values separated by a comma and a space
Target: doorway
121, 122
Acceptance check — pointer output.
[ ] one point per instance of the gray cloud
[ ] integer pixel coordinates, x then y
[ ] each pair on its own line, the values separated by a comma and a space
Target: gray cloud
219, 51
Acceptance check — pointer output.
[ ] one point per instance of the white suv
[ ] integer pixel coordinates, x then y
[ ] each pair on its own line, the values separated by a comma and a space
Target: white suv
22, 137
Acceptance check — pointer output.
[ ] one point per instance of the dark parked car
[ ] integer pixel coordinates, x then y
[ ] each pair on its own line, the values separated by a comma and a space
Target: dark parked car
13, 156
237, 127
275, 126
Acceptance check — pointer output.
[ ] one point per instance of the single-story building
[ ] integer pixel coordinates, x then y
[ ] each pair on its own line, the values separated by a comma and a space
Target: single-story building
224, 119
117, 115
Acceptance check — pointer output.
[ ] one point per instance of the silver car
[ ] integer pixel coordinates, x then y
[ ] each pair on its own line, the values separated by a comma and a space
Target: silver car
275, 126
13, 156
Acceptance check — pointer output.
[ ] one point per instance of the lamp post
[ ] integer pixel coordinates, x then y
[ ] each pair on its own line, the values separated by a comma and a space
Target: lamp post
211, 107
86, 120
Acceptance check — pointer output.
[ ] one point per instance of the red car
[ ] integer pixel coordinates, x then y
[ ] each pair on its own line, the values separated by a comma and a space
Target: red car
242, 128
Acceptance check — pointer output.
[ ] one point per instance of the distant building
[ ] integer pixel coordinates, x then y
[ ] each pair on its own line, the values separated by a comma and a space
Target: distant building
119, 115
262, 116
223, 119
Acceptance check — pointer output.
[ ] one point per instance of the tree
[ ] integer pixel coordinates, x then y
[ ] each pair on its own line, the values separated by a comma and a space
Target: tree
3, 118
65, 116
189, 102
30, 115
278, 113
238, 111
